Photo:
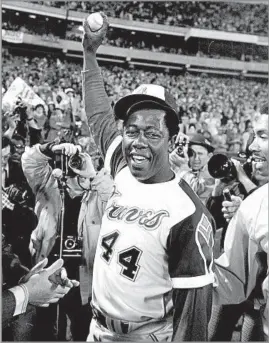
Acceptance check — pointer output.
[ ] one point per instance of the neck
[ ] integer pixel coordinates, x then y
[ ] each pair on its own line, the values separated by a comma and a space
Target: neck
166, 176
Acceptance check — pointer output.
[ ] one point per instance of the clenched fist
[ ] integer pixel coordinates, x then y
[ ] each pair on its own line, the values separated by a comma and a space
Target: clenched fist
92, 40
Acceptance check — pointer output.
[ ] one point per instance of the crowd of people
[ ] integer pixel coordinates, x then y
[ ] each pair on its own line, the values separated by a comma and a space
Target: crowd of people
52, 30
220, 106
231, 17
142, 150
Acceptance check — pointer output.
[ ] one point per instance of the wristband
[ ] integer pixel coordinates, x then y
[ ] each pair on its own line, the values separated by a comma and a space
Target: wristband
29, 119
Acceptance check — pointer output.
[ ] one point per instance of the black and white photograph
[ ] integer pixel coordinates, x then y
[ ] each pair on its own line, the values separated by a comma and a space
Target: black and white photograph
135, 171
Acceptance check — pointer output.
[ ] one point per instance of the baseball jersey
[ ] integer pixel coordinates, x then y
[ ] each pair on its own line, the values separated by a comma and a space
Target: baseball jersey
243, 266
154, 237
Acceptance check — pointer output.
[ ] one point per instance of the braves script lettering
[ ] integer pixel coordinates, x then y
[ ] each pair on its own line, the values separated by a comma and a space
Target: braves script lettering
148, 219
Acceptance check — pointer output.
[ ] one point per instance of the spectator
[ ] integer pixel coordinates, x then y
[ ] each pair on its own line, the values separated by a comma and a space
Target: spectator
85, 198
192, 164
234, 17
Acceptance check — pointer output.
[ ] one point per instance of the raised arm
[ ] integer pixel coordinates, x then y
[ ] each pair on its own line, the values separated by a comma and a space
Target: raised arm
97, 106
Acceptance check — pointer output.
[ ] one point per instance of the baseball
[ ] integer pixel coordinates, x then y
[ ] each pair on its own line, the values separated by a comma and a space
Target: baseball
95, 21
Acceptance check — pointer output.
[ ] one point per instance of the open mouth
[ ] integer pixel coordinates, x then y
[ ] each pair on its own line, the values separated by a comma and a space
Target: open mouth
139, 159
258, 159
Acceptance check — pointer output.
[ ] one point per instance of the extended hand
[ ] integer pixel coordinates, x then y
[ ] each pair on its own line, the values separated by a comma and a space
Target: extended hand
241, 175
229, 208
60, 278
41, 290
92, 40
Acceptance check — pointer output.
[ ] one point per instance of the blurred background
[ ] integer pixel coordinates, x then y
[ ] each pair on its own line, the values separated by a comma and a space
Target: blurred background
211, 55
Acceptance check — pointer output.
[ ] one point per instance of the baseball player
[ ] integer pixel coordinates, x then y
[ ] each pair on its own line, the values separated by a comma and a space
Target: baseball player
243, 267
152, 277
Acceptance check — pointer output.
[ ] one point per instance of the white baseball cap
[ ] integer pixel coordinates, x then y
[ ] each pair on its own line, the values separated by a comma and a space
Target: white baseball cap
149, 95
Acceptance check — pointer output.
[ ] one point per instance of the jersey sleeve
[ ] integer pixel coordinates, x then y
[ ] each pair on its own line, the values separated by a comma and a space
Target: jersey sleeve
190, 251
100, 114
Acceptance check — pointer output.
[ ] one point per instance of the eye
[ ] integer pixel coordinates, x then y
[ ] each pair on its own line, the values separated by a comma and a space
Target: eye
153, 135
264, 136
131, 132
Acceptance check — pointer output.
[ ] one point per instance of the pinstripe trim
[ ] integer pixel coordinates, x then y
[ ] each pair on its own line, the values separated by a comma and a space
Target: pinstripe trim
153, 337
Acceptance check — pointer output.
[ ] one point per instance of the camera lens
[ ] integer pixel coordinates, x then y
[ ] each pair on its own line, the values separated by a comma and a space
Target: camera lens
220, 167
70, 243
75, 162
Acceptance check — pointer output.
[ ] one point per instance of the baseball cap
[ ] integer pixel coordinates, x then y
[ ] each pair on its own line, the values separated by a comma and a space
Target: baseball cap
199, 139
154, 96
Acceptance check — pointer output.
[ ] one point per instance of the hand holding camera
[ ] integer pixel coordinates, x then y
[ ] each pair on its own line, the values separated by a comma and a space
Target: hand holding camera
17, 195
181, 145
241, 174
179, 155
229, 208
70, 159
67, 149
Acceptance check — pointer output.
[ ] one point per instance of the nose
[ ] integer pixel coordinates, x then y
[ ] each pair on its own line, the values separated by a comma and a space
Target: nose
140, 142
254, 146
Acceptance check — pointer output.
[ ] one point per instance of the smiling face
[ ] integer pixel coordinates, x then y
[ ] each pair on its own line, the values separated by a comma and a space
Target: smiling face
259, 146
39, 111
145, 146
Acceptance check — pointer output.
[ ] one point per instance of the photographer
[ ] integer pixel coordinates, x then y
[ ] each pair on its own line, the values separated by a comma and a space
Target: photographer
26, 121
85, 196
189, 159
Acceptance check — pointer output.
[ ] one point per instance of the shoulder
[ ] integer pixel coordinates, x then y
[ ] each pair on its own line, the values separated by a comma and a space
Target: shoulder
199, 218
253, 212
255, 201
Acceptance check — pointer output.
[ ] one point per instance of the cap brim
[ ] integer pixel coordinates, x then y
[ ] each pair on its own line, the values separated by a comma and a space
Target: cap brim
122, 106
208, 147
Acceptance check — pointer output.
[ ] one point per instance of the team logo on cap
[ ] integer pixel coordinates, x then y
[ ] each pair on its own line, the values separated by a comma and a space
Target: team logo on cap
153, 90
141, 90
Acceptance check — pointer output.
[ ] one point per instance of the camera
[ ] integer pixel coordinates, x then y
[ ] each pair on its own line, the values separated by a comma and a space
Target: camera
180, 146
17, 194
221, 167
72, 247
21, 110
65, 163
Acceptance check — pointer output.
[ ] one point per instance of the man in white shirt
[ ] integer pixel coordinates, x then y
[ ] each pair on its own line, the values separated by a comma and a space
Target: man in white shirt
243, 266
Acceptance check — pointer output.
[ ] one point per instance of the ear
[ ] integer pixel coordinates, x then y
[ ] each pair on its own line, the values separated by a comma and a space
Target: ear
170, 145
210, 154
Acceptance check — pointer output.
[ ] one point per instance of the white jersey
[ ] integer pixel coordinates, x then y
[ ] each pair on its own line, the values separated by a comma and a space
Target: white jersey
134, 268
243, 267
